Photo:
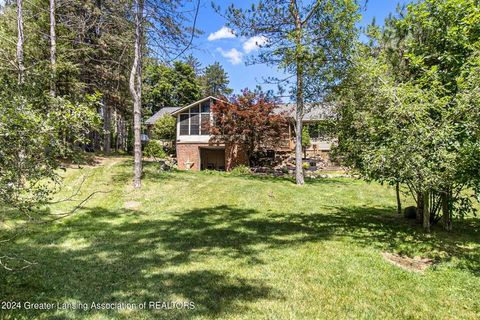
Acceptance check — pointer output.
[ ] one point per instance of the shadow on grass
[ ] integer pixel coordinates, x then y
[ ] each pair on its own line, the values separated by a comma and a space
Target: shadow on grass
152, 171
178, 255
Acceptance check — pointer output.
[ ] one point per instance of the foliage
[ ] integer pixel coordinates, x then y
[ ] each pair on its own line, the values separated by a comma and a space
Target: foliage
166, 86
196, 65
320, 47
33, 143
402, 116
165, 128
215, 81
310, 41
25, 167
306, 142
241, 170
249, 120
154, 149
433, 36
325, 129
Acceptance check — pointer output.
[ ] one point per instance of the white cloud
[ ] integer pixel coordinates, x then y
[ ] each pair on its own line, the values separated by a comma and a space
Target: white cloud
254, 43
233, 55
223, 33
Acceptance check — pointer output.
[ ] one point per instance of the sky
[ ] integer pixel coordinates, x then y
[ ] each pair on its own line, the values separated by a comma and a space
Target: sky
218, 44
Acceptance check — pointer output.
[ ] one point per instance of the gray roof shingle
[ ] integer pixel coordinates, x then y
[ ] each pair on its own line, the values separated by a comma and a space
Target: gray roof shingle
313, 111
161, 113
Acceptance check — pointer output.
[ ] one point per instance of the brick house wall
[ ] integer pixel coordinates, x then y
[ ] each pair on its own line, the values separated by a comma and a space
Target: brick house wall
188, 156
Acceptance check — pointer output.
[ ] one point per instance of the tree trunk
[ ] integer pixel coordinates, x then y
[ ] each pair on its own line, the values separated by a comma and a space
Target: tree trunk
136, 91
107, 124
419, 206
426, 211
53, 49
447, 213
20, 43
399, 200
299, 178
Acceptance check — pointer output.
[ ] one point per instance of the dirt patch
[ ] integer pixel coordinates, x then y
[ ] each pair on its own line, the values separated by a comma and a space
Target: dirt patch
415, 264
132, 205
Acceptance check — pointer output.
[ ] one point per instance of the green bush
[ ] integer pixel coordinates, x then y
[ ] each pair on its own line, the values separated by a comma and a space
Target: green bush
165, 128
306, 165
154, 149
241, 170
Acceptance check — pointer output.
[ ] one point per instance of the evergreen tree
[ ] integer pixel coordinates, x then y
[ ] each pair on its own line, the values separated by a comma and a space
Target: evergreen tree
215, 81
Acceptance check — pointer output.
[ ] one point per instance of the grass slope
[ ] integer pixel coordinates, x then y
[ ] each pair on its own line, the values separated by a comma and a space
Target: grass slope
240, 248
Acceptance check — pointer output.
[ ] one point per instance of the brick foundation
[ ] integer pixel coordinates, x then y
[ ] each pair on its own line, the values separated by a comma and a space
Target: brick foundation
188, 156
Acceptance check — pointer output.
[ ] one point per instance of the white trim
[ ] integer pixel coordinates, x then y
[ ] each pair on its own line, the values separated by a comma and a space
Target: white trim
192, 139
193, 104
200, 138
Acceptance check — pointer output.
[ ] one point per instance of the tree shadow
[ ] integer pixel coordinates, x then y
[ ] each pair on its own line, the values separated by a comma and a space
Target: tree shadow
133, 256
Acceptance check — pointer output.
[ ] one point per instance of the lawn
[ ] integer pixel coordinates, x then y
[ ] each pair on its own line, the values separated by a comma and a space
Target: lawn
239, 247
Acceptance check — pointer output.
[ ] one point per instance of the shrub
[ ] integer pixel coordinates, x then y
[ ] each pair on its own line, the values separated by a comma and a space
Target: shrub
241, 170
164, 128
154, 149
410, 212
306, 165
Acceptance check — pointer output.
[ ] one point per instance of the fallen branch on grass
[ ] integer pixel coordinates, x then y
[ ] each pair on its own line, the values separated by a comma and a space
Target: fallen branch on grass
3, 264
69, 213
70, 198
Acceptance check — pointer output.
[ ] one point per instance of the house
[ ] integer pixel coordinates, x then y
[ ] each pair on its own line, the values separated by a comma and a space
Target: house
196, 151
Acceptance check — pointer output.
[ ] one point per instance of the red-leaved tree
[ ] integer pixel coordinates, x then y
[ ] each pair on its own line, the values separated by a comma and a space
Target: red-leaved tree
250, 122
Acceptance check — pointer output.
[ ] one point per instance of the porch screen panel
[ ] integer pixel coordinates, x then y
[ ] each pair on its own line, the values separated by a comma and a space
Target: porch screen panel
184, 125
195, 124
205, 107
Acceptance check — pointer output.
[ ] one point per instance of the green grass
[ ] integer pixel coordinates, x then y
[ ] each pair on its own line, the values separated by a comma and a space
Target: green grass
239, 247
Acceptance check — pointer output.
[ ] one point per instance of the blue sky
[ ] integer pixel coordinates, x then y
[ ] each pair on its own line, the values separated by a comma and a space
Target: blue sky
216, 44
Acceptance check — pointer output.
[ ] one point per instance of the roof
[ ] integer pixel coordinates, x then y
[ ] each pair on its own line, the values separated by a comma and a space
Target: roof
161, 113
194, 103
312, 112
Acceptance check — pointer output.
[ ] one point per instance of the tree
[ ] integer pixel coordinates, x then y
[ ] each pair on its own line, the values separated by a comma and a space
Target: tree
305, 140
196, 65
136, 92
53, 47
20, 42
248, 120
402, 118
164, 24
165, 128
215, 81
309, 40
169, 86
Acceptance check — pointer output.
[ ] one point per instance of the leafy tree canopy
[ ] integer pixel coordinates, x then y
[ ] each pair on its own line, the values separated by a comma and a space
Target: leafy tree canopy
409, 105
166, 86
248, 119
